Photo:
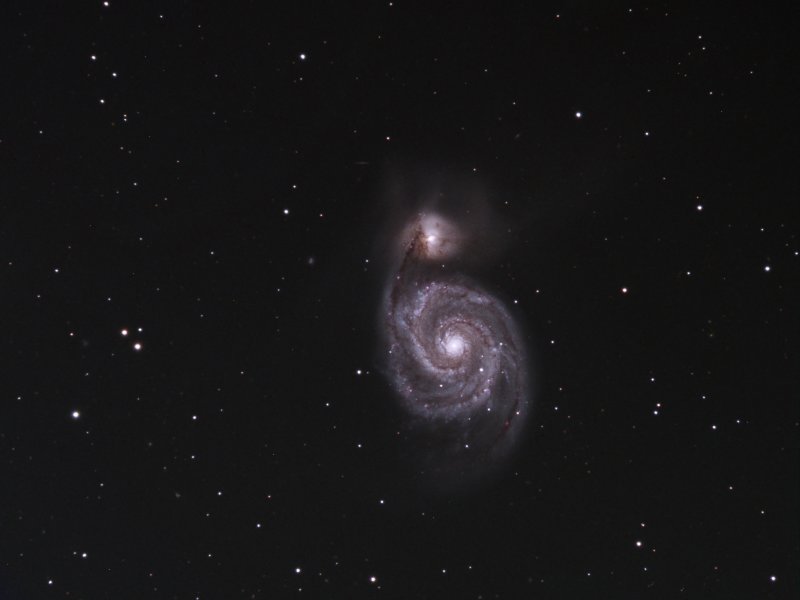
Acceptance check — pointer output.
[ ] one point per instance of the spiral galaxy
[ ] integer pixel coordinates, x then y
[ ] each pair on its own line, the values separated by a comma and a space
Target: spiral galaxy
455, 356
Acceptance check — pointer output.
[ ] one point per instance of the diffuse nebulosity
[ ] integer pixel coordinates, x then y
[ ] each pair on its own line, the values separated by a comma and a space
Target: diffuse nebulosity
454, 355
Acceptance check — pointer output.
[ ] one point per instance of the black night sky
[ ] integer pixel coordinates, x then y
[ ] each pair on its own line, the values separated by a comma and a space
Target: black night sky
204, 205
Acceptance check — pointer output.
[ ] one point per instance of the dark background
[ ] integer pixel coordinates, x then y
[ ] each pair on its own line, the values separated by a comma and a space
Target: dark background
239, 453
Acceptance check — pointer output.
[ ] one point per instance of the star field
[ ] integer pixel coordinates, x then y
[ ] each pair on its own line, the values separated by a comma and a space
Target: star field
201, 208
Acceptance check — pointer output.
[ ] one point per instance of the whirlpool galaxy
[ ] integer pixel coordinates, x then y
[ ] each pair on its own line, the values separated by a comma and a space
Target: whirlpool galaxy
455, 355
